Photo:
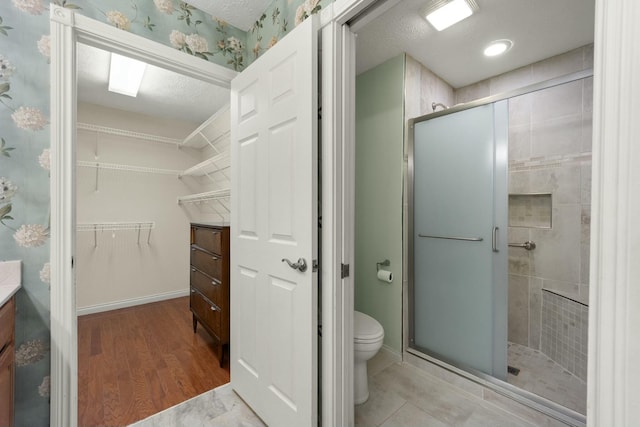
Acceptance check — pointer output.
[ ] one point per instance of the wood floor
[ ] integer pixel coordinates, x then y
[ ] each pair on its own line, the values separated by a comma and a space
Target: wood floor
138, 361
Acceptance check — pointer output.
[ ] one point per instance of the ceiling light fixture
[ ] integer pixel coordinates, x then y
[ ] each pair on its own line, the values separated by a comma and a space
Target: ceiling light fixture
444, 13
125, 75
498, 47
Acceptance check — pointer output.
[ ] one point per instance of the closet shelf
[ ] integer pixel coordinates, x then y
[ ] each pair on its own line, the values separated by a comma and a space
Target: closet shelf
206, 196
127, 133
210, 131
214, 164
128, 168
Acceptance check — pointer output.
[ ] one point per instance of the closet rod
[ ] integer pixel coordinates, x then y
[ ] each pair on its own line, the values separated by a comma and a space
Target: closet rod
122, 132
116, 226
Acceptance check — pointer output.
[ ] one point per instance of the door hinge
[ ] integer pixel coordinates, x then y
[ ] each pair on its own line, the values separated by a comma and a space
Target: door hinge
314, 265
344, 270
72, 262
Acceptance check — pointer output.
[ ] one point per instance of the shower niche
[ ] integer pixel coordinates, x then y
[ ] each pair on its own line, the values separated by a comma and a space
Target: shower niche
530, 210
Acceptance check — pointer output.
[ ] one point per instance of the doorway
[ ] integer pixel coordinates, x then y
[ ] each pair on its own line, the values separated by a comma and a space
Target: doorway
64, 178
135, 160
426, 91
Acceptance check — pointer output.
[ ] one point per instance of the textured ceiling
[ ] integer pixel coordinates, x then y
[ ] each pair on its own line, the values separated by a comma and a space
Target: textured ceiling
239, 13
539, 29
162, 94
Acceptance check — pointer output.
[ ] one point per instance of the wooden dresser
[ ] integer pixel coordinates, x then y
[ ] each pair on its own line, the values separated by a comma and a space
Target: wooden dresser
7, 361
209, 300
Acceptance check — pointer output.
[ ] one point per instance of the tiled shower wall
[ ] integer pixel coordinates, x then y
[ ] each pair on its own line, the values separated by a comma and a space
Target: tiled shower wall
564, 332
549, 153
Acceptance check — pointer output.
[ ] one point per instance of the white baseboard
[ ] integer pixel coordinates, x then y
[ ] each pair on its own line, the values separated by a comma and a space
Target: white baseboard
98, 308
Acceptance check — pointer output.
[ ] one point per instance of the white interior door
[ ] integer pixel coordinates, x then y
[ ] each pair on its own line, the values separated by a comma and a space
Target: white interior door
274, 217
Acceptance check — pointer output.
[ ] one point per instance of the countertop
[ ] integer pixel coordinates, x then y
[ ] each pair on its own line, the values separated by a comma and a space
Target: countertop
7, 291
10, 279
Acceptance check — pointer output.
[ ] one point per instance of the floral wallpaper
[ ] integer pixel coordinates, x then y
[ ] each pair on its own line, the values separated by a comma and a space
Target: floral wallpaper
24, 139
276, 21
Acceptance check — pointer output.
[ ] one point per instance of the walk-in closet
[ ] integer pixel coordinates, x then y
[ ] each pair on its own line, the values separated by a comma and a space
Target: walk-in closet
153, 181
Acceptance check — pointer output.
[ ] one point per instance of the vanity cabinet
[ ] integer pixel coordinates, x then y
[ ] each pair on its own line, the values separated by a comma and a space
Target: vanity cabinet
7, 361
209, 282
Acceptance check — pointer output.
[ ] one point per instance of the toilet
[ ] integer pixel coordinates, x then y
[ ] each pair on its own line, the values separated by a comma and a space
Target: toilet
367, 337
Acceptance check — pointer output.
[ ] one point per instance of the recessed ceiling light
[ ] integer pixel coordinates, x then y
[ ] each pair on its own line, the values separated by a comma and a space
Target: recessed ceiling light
444, 13
125, 75
498, 47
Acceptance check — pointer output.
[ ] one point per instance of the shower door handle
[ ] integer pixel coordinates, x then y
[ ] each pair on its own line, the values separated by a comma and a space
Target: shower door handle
494, 239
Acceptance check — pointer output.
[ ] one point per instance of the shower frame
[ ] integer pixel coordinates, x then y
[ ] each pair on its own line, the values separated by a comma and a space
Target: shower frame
525, 397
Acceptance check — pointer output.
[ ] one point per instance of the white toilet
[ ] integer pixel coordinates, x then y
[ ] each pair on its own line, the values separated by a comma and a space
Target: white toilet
367, 337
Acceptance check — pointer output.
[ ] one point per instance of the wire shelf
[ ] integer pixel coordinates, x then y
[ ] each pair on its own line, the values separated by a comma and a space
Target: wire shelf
214, 164
206, 196
116, 226
128, 168
127, 133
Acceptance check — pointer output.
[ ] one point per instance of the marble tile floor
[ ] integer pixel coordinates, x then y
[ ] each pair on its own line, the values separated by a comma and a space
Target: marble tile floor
218, 407
401, 395
544, 377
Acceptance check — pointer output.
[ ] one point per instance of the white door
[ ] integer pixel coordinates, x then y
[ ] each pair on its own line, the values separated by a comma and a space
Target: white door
274, 217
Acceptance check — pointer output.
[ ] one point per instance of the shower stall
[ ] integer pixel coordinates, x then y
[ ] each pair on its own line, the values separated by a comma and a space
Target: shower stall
494, 223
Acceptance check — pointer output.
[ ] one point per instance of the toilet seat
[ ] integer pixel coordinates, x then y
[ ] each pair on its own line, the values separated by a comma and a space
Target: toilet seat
366, 329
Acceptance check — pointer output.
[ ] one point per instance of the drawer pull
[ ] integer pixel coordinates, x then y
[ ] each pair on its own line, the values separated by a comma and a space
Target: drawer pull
214, 283
193, 249
214, 308
193, 291
215, 258
193, 270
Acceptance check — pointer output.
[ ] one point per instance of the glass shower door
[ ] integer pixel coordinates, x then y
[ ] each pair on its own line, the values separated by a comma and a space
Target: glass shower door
459, 263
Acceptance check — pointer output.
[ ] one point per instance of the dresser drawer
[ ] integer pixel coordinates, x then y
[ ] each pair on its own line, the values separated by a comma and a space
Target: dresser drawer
209, 239
207, 313
207, 263
7, 322
208, 286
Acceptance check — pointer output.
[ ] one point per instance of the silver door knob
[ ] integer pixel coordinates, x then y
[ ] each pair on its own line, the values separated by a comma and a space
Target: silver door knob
301, 265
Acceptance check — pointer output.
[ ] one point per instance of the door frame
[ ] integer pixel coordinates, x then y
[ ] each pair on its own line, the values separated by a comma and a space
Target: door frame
613, 397
67, 28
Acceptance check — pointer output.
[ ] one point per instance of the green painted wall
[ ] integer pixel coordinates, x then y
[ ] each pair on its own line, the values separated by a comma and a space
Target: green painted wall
378, 222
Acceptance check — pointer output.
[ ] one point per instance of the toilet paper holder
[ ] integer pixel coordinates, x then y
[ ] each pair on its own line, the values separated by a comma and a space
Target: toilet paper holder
385, 263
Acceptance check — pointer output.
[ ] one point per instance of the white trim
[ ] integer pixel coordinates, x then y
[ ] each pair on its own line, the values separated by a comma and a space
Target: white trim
67, 28
338, 104
613, 396
131, 302
337, 387
64, 366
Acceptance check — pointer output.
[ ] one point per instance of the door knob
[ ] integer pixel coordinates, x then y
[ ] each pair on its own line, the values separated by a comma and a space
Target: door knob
301, 265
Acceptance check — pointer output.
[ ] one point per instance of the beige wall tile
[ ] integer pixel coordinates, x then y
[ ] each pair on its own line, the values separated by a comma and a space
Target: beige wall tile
559, 65
518, 320
557, 255
512, 80
557, 101
558, 136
